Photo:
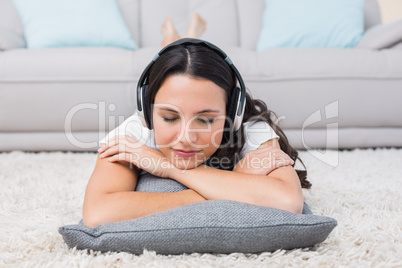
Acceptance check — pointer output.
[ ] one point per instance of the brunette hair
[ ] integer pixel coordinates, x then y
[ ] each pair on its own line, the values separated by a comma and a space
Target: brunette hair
198, 61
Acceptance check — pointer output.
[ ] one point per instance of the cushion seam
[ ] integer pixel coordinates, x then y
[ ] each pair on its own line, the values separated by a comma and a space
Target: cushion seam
327, 224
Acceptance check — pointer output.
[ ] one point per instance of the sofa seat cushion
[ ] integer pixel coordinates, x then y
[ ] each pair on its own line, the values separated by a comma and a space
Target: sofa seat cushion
316, 63
103, 64
82, 89
309, 80
73, 64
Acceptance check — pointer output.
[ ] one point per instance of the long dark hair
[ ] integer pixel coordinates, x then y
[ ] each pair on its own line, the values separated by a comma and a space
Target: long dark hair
201, 62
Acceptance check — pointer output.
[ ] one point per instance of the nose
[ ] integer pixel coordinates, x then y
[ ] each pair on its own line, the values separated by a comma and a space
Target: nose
189, 135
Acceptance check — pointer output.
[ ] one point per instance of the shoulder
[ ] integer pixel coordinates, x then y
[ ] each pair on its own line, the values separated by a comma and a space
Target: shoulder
133, 127
256, 133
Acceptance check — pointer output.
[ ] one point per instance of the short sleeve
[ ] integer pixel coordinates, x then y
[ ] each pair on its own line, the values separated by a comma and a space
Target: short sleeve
256, 134
133, 127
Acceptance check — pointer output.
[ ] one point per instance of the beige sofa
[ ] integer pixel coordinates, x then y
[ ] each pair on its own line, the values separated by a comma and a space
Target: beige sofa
69, 98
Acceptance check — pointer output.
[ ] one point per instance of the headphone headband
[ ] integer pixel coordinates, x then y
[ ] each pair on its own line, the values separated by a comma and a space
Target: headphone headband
240, 102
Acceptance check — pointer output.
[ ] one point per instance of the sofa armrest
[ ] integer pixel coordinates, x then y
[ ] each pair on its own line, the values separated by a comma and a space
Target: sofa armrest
10, 40
382, 36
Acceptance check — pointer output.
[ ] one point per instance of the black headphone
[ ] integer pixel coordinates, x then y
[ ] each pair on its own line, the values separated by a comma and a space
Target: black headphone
236, 104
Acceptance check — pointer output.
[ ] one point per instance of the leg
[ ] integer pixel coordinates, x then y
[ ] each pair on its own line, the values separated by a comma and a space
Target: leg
196, 28
169, 32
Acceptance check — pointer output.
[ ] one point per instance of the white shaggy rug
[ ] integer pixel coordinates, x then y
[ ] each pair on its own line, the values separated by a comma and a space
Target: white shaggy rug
42, 191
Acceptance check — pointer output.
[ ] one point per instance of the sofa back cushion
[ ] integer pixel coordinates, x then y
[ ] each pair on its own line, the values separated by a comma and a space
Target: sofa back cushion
229, 22
372, 14
130, 10
220, 15
251, 13
10, 26
250, 22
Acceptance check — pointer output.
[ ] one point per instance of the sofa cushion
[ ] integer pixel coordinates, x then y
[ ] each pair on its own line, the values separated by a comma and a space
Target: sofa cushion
130, 10
311, 23
10, 40
83, 78
11, 31
382, 36
55, 23
220, 16
372, 14
74, 64
250, 22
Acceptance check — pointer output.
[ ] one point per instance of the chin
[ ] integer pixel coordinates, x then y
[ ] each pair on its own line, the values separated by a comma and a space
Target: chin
185, 164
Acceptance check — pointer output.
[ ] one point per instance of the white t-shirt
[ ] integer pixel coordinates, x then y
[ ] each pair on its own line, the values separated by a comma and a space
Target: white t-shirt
256, 133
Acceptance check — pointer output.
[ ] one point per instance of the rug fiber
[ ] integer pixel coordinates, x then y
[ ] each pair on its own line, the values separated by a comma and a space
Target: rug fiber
43, 191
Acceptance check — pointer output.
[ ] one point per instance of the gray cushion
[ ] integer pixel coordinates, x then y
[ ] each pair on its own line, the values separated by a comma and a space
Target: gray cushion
382, 36
10, 40
11, 22
372, 13
212, 226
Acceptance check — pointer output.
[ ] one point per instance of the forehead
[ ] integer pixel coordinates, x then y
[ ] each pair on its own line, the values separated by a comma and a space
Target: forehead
188, 93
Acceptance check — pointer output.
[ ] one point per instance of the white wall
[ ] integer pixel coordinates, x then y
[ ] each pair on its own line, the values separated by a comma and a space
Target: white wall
390, 9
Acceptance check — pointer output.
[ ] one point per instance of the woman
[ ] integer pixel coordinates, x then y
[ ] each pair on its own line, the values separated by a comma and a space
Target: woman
190, 135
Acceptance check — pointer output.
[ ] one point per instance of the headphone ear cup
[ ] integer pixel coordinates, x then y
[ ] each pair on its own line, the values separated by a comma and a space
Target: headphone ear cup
146, 121
232, 107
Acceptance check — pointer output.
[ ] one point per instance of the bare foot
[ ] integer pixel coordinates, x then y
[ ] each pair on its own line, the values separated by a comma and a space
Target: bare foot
169, 32
197, 27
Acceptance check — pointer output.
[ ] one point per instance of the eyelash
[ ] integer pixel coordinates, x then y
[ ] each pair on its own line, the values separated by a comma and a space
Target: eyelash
167, 119
204, 121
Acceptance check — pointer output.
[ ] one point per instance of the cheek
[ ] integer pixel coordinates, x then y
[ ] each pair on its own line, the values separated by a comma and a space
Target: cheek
215, 136
163, 134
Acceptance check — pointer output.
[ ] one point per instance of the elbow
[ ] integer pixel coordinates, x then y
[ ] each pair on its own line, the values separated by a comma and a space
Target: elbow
91, 221
289, 202
93, 215
294, 205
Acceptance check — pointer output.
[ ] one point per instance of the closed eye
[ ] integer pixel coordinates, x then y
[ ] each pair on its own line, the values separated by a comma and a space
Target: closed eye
205, 120
169, 119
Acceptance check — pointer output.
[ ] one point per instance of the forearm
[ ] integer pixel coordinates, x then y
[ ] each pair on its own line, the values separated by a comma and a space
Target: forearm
261, 190
120, 206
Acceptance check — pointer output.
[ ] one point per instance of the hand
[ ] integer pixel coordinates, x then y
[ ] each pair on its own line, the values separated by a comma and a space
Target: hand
127, 148
263, 160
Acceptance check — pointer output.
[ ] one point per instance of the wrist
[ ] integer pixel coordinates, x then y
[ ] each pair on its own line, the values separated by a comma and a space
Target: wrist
177, 174
172, 171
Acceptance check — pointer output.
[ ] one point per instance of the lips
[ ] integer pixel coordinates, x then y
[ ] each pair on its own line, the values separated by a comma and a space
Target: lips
185, 153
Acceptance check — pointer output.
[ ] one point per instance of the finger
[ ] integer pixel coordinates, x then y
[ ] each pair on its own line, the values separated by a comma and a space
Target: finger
115, 149
282, 165
110, 151
102, 147
281, 154
114, 141
109, 143
119, 157
277, 162
284, 157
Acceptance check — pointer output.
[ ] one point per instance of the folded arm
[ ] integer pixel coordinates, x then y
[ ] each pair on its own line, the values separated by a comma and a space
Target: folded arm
265, 186
279, 189
110, 195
